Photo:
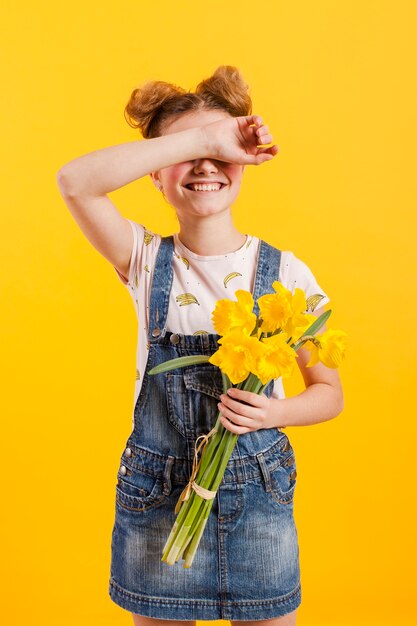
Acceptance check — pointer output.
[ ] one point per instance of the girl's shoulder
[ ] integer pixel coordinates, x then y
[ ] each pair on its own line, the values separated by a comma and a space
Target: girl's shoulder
144, 249
294, 272
145, 235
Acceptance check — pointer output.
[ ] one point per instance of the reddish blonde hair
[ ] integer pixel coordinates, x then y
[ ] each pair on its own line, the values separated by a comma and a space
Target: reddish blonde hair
155, 102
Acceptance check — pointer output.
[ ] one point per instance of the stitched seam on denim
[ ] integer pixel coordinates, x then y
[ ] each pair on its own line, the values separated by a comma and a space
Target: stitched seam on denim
258, 276
143, 452
239, 503
142, 468
194, 380
139, 503
139, 498
209, 390
223, 571
174, 602
188, 342
161, 286
284, 497
282, 500
142, 399
144, 491
172, 413
140, 508
277, 446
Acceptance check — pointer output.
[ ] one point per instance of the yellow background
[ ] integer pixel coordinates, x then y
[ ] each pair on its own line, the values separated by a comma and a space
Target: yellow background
336, 84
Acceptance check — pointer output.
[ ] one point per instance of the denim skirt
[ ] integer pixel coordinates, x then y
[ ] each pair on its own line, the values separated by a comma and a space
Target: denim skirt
247, 563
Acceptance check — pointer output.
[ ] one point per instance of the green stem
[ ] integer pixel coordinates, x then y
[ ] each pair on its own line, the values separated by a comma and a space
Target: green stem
191, 509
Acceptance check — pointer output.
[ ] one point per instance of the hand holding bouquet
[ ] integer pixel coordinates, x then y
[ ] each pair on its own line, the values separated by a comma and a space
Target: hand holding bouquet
253, 351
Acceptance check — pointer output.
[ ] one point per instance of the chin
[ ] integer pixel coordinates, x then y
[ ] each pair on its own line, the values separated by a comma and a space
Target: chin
205, 211
208, 209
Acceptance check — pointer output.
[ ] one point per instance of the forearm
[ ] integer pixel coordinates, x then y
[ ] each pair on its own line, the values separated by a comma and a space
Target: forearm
318, 403
102, 171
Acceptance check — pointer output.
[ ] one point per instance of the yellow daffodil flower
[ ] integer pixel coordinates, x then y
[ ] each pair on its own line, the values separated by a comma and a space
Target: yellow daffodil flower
329, 348
275, 359
297, 318
229, 315
237, 355
275, 308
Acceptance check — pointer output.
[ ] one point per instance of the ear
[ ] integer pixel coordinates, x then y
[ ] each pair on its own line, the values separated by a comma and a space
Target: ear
155, 179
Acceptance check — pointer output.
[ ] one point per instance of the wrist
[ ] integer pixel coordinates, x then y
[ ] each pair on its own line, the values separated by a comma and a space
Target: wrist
276, 418
206, 143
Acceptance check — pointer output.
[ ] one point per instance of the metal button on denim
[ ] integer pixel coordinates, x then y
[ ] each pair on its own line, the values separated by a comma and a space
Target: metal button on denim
174, 338
128, 452
156, 332
293, 474
123, 469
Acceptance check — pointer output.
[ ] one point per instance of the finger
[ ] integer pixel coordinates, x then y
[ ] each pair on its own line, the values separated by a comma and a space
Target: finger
236, 418
246, 410
254, 120
272, 150
238, 430
266, 155
245, 396
265, 139
263, 154
262, 130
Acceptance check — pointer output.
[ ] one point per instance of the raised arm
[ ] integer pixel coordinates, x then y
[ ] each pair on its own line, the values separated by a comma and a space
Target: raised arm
85, 181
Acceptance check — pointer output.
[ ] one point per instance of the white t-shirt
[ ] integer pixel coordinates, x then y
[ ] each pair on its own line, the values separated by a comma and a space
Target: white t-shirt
207, 279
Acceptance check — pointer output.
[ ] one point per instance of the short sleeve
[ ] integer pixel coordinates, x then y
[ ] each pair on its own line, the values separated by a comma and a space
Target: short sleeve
295, 273
135, 258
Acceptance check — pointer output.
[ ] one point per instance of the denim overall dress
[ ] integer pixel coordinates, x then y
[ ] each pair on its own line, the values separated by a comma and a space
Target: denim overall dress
247, 563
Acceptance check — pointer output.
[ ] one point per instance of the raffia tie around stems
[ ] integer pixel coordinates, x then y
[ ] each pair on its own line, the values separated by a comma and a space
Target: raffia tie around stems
201, 491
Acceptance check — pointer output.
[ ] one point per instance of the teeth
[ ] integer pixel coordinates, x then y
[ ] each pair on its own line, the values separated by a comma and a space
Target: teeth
211, 187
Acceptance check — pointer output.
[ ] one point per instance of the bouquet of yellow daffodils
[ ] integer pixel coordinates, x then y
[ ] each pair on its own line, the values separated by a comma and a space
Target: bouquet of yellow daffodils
253, 351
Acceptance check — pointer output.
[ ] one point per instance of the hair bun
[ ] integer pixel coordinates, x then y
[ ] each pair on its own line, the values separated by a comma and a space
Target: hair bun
226, 89
146, 102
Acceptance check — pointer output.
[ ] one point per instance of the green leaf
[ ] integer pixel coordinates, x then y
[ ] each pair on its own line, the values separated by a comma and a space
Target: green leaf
315, 326
182, 361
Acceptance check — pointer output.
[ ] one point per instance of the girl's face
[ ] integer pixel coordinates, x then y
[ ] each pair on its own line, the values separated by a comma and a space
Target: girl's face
175, 177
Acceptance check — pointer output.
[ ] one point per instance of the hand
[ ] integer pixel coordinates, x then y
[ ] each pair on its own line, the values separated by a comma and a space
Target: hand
235, 140
255, 414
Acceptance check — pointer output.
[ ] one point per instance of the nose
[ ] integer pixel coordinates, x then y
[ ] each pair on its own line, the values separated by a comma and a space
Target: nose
205, 166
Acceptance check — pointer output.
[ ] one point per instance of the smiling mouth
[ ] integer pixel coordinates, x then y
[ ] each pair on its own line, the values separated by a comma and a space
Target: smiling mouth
190, 188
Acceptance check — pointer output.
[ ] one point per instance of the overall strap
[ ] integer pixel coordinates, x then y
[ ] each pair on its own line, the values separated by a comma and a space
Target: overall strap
267, 271
161, 287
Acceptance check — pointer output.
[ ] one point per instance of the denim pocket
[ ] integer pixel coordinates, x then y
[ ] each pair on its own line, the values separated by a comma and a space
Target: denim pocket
137, 490
192, 398
283, 481
283, 476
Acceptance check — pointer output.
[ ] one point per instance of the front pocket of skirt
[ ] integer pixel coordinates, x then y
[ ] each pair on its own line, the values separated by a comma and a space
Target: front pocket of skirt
283, 480
138, 490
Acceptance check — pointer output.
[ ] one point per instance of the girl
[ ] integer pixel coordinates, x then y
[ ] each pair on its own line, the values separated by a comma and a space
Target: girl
247, 565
